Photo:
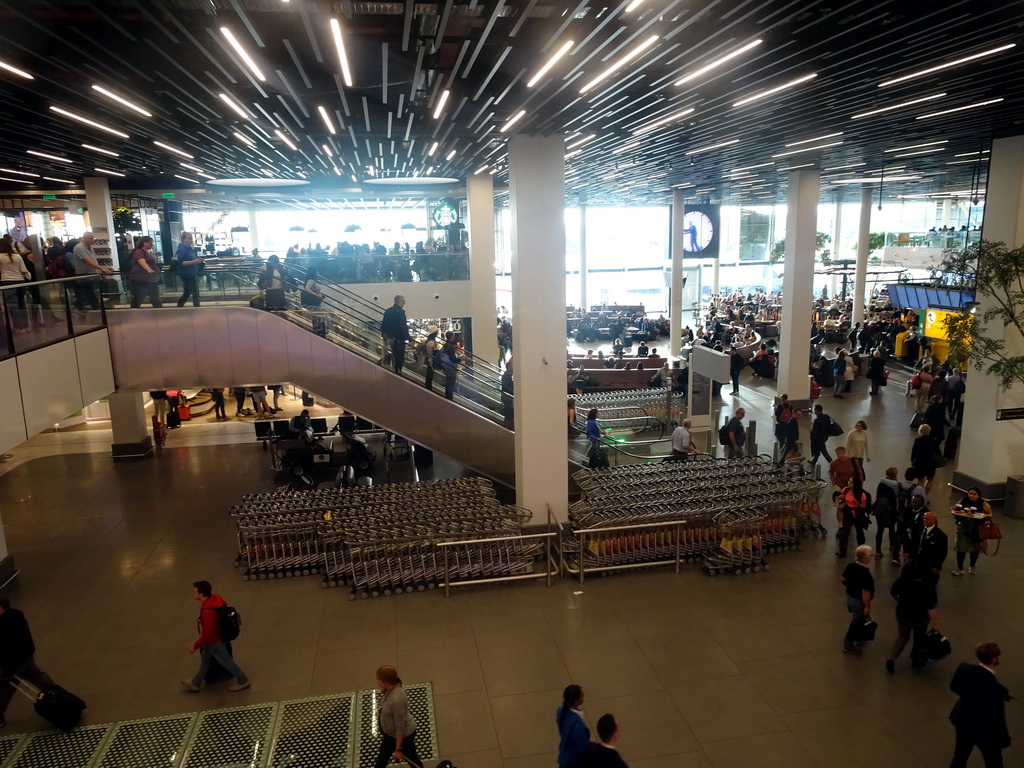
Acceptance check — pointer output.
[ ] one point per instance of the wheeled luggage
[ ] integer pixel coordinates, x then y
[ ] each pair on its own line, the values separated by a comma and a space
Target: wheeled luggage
173, 419
185, 412
951, 445
57, 705
917, 421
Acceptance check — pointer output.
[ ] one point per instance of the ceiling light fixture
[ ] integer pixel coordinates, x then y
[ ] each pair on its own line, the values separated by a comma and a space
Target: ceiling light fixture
175, 150
818, 138
48, 157
960, 162
327, 150
87, 121
751, 167
776, 89
16, 181
662, 121
968, 154
512, 121
947, 65
917, 146
713, 146
633, 6
449, 156
921, 152
959, 109
327, 120
566, 46
627, 147
122, 100
62, 181
480, 170
873, 179
718, 62
243, 54
808, 149
186, 178
621, 62
898, 106
109, 173
432, 150
244, 139
578, 142
843, 167
236, 107
794, 167
101, 150
20, 173
15, 70
290, 144
440, 103
339, 43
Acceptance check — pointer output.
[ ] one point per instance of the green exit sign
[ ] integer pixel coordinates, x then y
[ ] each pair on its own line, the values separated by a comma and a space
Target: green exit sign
49, 197
168, 194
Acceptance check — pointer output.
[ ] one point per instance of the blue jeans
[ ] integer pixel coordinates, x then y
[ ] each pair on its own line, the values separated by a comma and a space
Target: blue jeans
856, 607
217, 651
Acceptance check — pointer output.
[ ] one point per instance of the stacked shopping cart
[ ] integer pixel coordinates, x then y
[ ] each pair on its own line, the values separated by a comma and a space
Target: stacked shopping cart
386, 539
724, 514
633, 410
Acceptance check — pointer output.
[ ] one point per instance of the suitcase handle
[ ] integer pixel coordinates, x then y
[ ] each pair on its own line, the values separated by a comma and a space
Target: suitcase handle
25, 688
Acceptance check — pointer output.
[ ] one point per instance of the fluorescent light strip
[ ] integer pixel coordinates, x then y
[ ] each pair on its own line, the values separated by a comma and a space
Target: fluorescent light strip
440, 103
968, 154
573, 153
327, 150
121, 100
874, 179
243, 54
959, 109
87, 121
713, 146
566, 46
662, 121
20, 173
290, 144
917, 146
751, 167
101, 150
326, 119
339, 43
62, 181
231, 103
718, 62
633, 6
794, 167
961, 162
199, 171
921, 152
808, 149
449, 156
947, 65
432, 150
843, 167
244, 139
818, 138
17, 181
175, 150
623, 61
631, 145
109, 173
512, 121
186, 178
776, 89
48, 157
15, 70
577, 142
898, 106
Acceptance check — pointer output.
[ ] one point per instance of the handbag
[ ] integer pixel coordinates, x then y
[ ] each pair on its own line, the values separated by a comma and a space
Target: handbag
865, 633
934, 648
940, 461
989, 530
834, 429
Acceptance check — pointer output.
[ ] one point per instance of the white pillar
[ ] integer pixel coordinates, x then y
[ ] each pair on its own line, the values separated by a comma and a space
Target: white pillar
128, 424
798, 286
860, 278
675, 310
991, 450
947, 212
583, 257
101, 220
254, 236
482, 292
714, 278
537, 199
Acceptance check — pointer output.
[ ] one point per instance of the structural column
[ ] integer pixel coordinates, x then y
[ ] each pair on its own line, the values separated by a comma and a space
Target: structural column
991, 449
254, 233
101, 220
482, 294
798, 286
128, 423
860, 277
583, 257
837, 232
537, 199
675, 310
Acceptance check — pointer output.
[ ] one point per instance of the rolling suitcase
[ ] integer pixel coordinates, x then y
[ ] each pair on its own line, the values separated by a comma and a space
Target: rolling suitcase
951, 445
173, 419
56, 705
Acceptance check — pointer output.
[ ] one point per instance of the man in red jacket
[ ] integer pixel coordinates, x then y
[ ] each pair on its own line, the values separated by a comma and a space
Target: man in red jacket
209, 643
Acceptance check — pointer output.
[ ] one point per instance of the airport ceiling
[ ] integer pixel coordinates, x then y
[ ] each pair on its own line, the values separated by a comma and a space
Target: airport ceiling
716, 97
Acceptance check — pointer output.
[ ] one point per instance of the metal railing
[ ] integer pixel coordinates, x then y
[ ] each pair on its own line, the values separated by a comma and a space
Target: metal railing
44, 312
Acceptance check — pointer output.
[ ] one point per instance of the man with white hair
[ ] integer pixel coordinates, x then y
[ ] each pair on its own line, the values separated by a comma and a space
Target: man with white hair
682, 441
860, 590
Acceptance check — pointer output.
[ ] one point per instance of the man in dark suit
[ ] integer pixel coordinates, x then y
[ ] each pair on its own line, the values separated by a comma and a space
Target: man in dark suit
930, 545
979, 715
395, 330
604, 754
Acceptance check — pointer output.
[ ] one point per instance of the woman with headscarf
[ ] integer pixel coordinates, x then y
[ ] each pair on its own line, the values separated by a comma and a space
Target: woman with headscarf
970, 513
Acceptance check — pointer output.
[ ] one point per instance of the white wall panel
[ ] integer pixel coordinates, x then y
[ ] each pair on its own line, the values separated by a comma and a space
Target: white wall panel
50, 388
95, 371
12, 425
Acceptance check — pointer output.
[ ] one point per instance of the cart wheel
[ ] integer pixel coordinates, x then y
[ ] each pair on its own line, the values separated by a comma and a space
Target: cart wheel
245, 577
767, 566
352, 595
431, 585
410, 589
374, 593
738, 572
324, 584
363, 595
261, 576
238, 561
799, 546
711, 571
314, 571
387, 592
747, 569
305, 571
420, 587
757, 569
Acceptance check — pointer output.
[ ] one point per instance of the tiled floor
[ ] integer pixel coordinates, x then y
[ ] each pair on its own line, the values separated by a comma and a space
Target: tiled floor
730, 671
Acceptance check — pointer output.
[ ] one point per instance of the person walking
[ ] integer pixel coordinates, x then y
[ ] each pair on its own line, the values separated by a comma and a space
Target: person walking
853, 508
957, 388
145, 274
916, 601
395, 329
857, 446
604, 754
790, 439
820, 433
860, 591
970, 513
682, 441
573, 734
187, 265
979, 715
396, 723
508, 392
886, 513
217, 393
839, 374
450, 360
929, 545
737, 434
922, 457
258, 393
935, 417
86, 262
876, 371
239, 393
735, 367
17, 656
924, 380
209, 643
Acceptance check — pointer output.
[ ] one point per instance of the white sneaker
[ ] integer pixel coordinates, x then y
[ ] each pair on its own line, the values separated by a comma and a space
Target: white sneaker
970, 570
957, 572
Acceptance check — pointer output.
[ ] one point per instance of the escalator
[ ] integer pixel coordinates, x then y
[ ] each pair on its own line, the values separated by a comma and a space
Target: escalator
216, 346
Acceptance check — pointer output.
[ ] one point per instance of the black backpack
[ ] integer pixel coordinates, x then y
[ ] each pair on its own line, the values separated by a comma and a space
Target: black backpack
230, 623
723, 435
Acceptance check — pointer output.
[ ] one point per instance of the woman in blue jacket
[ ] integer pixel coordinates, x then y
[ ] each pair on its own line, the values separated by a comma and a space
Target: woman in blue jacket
572, 731
839, 372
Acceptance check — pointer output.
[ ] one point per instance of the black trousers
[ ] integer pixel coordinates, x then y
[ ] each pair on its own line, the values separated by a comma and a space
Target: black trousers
397, 354
239, 401
218, 405
191, 288
819, 448
735, 376
387, 749
965, 744
850, 522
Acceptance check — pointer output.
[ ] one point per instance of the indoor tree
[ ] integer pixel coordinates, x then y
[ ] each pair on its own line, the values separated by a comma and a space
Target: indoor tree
995, 272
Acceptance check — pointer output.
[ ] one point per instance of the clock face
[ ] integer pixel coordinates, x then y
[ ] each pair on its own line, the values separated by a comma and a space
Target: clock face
697, 231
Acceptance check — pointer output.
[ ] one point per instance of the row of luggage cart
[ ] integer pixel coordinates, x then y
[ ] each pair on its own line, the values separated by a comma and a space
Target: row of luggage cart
635, 410
388, 539
725, 515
